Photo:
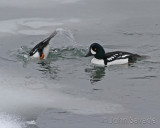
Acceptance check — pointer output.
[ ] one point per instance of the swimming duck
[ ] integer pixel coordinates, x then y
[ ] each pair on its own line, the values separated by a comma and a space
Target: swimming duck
110, 58
41, 50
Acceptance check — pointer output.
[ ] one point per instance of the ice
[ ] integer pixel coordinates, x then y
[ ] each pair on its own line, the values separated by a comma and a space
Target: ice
32, 122
33, 26
63, 82
31, 4
10, 121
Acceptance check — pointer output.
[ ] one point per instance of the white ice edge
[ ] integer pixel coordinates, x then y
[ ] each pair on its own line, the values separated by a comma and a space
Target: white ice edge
33, 26
10, 121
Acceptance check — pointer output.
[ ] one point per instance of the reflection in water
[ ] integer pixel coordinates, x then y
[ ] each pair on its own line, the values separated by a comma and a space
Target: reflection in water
48, 70
96, 73
48, 67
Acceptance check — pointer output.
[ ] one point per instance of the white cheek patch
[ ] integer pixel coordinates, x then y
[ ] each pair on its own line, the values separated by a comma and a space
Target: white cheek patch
93, 52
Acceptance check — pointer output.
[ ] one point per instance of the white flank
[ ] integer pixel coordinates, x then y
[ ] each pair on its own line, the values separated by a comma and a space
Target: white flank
101, 62
111, 58
93, 52
120, 61
46, 51
36, 55
97, 61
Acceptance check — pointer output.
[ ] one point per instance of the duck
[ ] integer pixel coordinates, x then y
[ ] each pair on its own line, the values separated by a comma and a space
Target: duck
41, 50
110, 58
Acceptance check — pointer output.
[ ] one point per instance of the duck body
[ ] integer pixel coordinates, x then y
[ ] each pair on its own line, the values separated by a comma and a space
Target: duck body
110, 58
41, 50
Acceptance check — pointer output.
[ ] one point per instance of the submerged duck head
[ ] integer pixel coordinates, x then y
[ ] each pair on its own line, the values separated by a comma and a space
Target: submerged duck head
41, 50
96, 50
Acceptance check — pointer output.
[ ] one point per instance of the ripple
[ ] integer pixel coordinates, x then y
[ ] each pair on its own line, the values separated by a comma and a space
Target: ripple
55, 54
139, 34
144, 77
67, 53
132, 33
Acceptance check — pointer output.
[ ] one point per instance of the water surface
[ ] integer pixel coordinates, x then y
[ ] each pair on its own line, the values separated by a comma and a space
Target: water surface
66, 90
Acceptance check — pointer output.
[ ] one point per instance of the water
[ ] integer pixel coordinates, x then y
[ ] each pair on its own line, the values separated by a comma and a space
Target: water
66, 90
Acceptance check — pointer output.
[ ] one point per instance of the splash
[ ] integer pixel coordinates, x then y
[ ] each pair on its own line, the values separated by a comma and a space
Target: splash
66, 32
64, 38
63, 45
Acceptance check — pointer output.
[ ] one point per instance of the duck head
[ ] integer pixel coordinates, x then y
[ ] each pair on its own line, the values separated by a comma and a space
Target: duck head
96, 50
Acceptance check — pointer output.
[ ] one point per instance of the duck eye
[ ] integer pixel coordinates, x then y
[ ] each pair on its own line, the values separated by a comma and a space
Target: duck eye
95, 49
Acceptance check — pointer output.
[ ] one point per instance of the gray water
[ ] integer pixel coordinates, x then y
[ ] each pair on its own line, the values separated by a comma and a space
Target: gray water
66, 90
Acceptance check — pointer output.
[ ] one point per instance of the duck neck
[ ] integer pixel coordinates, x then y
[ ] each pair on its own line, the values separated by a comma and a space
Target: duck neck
100, 55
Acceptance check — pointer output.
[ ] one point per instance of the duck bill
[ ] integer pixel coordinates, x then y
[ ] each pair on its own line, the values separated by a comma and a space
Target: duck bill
89, 54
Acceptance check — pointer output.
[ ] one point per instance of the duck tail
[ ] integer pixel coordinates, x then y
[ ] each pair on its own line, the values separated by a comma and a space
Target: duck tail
135, 57
145, 57
46, 41
51, 36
